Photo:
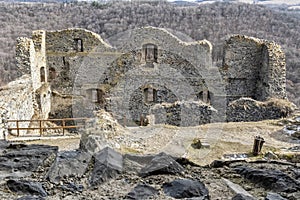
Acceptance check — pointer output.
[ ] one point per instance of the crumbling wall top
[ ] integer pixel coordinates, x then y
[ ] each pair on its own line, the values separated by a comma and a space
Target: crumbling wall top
73, 40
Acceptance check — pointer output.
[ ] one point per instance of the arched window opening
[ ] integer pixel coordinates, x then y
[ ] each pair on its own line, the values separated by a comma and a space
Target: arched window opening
78, 45
150, 95
150, 53
42, 74
52, 74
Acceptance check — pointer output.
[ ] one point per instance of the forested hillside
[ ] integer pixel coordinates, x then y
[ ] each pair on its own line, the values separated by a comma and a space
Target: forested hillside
214, 22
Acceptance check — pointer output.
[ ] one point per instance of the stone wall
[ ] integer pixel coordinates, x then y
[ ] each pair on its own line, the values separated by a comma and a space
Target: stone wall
272, 75
30, 96
17, 102
242, 64
145, 67
78, 61
247, 109
183, 113
253, 68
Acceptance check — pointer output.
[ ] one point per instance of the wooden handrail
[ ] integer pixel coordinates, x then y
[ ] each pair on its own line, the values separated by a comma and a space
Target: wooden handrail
37, 120
41, 128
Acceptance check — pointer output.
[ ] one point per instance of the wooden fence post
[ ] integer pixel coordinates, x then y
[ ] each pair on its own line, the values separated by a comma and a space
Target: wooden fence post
41, 129
18, 131
63, 126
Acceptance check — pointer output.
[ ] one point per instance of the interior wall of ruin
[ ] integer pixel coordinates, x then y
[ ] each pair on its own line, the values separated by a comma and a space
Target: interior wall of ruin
17, 102
253, 68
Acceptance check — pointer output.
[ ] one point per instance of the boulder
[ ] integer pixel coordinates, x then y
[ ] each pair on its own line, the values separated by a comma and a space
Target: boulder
242, 197
222, 163
26, 187
108, 164
71, 187
68, 163
21, 160
142, 191
28, 197
134, 163
238, 190
274, 196
186, 188
161, 164
274, 180
101, 132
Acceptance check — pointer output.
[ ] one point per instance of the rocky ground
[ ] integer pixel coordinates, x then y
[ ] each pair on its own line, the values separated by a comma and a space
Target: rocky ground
135, 168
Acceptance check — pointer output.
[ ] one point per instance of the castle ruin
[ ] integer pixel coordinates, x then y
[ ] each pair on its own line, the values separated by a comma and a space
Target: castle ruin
146, 75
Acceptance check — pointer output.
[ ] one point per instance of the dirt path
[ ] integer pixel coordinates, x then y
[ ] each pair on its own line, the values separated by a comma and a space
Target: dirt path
223, 138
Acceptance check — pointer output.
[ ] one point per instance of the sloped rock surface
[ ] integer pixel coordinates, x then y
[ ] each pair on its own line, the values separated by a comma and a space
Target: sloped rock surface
242, 197
69, 163
134, 163
274, 196
31, 198
161, 164
185, 188
22, 160
142, 191
108, 165
26, 187
274, 180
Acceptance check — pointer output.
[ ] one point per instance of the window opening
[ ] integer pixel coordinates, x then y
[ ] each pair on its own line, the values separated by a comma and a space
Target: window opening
150, 95
150, 53
78, 45
43, 74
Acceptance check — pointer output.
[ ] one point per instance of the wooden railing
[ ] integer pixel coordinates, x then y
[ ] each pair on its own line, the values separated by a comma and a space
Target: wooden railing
41, 127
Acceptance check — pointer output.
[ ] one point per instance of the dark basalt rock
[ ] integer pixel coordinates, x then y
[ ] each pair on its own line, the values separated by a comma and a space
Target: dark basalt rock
26, 187
31, 198
69, 163
274, 180
141, 191
22, 157
108, 164
222, 163
274, 196
242, 197
161, 164
72, 187
134, 163
186, 188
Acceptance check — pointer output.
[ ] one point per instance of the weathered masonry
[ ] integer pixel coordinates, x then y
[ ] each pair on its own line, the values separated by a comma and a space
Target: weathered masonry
150, 75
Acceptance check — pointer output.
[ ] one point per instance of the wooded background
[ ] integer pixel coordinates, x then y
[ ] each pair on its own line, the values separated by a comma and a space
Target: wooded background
214, 22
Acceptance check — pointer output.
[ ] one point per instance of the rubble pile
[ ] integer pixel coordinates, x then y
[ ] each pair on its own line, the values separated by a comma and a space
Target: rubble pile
247, 109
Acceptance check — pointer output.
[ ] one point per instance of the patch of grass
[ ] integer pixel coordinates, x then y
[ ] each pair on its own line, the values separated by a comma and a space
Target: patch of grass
125, 149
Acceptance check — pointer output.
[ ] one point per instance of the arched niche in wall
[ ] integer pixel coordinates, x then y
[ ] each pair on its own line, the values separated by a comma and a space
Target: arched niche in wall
205, 96
150, 95
95, 95
52, 73
42, 74
78, 45
150, 53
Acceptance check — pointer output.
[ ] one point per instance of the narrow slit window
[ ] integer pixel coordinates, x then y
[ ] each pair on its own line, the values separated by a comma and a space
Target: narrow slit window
43, 74
78, 45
